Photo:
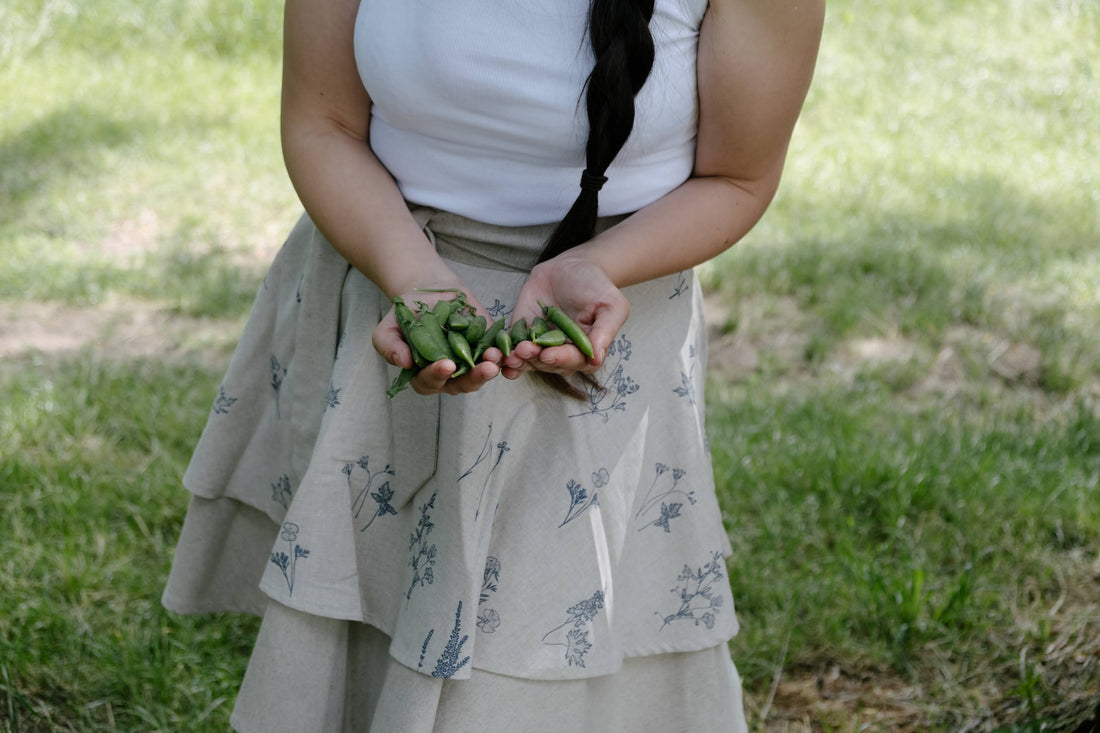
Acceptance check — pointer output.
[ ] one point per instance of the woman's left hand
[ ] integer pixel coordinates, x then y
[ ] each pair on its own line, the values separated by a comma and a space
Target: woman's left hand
581, 289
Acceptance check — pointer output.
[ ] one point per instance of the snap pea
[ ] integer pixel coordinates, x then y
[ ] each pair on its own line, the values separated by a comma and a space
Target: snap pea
431, 345
459, 321
443, 309
400, 382
488, 338
504, 341
539, 326
550, 338
568, 326
519, 331
460, 346
476, 329
406, 320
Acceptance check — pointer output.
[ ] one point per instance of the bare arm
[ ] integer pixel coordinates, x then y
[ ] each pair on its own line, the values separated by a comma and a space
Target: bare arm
755, 63
756, 60
348, 193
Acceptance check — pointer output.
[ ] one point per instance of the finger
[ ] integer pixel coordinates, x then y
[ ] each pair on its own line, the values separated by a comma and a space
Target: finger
474, 380
561, 359
433, 378
606, 325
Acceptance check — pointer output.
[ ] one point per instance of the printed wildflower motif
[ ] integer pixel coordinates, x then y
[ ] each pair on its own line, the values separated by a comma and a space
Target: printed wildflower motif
280, 491
683, 285
422, 555
223, 402
483, 454
600, 478
381, 496
278, 373
488, 620
449, 663
698, 602
424, 649
654, 498
579, 501
298, 292
498, 309
687, 381
332, 399
618, 387
288, 563
573, 633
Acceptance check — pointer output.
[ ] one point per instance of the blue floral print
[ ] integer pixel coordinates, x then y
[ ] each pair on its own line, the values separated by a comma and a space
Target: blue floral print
668, 510
486, 451
488, 620
422, 555
579, 500
424, 649
332, 399
603, 401
498, 309
281, 492
278, 373
449, 663
288, 563
223, 402
687, 380
382, 496
698, 603
683, 285
573, 633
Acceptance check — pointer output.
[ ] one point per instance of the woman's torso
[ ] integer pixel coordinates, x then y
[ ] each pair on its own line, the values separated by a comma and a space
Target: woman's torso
477, 105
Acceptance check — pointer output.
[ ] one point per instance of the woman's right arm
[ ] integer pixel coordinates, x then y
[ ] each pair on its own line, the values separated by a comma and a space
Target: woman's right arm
346, 190
349, 195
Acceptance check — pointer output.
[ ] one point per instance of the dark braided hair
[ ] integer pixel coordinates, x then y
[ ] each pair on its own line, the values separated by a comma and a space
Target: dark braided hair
623, 47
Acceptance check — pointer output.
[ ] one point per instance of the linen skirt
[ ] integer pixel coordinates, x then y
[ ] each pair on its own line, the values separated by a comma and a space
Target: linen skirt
420, 561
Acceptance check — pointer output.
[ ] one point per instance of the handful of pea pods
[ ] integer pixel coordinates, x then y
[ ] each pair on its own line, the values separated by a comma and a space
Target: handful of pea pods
452, 330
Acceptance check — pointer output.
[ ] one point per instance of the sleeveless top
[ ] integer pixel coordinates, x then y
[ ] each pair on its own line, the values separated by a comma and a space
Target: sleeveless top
474, 114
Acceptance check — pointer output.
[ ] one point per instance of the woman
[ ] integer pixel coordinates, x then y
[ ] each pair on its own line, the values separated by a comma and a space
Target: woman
504, 556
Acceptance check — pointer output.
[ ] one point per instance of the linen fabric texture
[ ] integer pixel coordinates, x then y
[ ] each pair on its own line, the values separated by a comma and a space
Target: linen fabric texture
510, 530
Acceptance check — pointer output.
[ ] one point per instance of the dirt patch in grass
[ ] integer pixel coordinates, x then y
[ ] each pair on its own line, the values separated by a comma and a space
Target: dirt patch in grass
118, 329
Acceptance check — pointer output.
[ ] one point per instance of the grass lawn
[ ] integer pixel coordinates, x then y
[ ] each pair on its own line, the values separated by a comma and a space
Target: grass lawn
903, 390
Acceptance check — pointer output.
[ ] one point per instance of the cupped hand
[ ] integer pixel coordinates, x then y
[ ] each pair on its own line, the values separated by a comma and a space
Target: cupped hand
581, 289
435, 377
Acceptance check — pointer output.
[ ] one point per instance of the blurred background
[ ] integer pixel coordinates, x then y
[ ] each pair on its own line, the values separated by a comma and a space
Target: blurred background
903, 387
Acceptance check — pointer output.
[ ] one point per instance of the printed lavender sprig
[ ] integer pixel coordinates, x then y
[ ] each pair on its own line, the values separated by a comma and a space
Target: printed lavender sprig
449, 662
281, 492
579, 500
289, 563
278, 374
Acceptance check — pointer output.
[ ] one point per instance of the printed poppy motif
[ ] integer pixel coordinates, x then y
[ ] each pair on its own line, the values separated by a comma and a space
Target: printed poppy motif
288, 562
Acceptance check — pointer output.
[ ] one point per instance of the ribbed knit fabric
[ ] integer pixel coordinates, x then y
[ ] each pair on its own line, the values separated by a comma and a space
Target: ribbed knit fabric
475, 114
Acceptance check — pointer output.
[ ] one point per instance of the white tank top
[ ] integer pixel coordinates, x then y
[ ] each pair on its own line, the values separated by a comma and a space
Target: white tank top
478, 109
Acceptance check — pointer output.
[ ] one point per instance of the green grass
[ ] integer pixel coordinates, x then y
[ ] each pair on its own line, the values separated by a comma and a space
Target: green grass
923, 519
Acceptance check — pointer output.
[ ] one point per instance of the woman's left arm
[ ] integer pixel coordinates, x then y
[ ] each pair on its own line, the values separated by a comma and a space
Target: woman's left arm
755, 62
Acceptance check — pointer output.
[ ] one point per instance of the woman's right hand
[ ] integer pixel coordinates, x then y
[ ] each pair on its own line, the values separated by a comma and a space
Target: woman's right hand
434, 378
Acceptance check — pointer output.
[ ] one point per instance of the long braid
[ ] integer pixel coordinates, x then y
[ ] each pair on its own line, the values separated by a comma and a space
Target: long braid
623, 47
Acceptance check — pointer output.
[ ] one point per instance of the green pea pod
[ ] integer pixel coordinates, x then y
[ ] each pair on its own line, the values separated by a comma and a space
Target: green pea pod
575, 333
431, 345
406, 320
551, 338
462, 369
489, 338
460, 346
400, 382
539, 326
459, 321
519, 331
476, 329
443, 310
504, 341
